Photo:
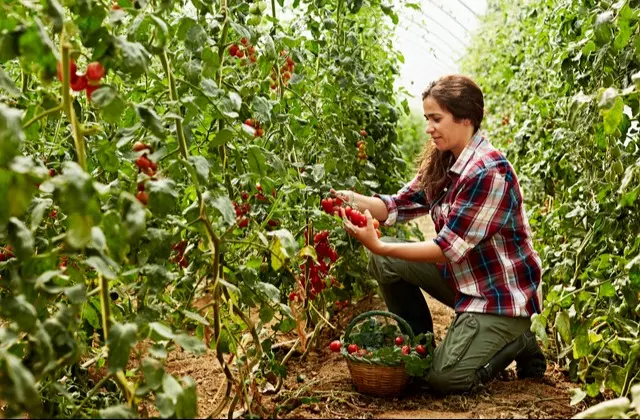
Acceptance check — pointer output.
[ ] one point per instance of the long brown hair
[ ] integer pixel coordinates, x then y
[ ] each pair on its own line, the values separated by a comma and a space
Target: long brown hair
462, 97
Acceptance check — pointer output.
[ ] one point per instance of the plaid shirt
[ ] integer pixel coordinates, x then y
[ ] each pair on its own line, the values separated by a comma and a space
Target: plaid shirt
483, 231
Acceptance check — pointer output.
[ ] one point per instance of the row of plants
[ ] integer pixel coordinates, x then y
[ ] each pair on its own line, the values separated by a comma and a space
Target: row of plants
159, 153
562, 87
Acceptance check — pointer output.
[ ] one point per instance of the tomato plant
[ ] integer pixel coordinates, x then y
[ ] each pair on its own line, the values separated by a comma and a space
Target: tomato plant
562, 102
192, 167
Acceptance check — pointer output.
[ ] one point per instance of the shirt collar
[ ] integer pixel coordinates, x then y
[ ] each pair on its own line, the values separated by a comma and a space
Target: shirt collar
467, 153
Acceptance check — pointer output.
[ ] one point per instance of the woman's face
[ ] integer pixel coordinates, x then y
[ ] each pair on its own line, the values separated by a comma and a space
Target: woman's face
445, 131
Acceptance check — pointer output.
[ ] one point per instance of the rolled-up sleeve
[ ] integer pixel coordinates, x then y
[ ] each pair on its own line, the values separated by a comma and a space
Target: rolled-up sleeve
407, 204
482, 207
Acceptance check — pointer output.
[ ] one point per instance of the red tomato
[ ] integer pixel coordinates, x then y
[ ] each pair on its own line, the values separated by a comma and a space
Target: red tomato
399, 340
352, 348
421, 350
406, 349
363, 133
95, 71
233, 50
143, 197
335, 346
80, 83
139, 146
244, 41
90, 90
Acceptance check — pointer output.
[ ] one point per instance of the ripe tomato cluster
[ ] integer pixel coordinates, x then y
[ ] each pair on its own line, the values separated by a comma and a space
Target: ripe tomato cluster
89, 81
332, 206
335, 346
6, 252
242, 210
286, 71
145, 165
362, 147
244, 49
179, 257
258, 131
318, 272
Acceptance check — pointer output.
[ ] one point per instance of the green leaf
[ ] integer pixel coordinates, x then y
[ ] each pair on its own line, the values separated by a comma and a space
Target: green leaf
539, 327
20, 311
117, 412
134, 215
269, 47
153, 372
289, 244
134, 58
196, 37
581, 347
261, 109
79, 232
162, 196
77, 294
615, 378
150, 120
121, 339
21, 238
23, 384
257, 161
102, 266
225, 206
624, 34
577, 395
201, 165
161, 331
7, 84
266, 314
187, 402
11, 134
111, 105
222, 137
607, 290
613, 117
190, 343
210, 89
563, 326
271, 291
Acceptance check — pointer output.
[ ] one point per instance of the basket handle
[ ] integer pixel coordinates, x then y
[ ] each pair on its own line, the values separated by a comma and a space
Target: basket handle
403, 324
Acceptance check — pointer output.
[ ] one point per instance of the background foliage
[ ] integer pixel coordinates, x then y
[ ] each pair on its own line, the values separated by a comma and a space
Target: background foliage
562, 92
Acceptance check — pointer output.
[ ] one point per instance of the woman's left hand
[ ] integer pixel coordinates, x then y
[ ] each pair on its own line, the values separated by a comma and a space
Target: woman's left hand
366, 235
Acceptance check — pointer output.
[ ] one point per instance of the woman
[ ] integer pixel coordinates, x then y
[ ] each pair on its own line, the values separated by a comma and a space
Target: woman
482, 262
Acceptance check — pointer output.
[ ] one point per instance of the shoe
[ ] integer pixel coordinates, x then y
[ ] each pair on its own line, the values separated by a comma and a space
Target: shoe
530, 363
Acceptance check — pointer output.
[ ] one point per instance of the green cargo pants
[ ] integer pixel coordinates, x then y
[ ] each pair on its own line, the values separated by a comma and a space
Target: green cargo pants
472, 338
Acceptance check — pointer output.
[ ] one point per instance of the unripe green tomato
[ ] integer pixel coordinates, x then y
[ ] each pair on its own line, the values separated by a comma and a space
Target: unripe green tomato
623, 309
254, 20
264, 267
262, 6
616, 152
610, 177
254, 9
618, 168
329, 23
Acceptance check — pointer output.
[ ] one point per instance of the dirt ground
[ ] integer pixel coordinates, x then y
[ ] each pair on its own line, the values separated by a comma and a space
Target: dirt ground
321, 387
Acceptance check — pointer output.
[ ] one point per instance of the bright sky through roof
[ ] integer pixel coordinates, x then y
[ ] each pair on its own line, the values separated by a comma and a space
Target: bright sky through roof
432, 41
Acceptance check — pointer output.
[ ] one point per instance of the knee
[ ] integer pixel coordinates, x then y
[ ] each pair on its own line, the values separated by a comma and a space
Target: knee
451, 382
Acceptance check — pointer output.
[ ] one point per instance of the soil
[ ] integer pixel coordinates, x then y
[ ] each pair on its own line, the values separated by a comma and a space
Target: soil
321, 386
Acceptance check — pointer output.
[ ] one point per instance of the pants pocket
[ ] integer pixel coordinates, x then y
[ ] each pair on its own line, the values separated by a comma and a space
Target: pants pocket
457, 342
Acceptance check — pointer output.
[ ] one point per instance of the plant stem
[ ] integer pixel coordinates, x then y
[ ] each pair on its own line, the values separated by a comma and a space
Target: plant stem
90, 394
182, 141
78, 138
42, 115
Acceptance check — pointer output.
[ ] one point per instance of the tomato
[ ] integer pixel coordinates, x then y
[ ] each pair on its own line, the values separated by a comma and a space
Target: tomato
249, 122
139, 146
73, 68
352, 348
240, 54
376, 223
399, 340
406, 349
95, 71
421, 350
143, 162
243, 223
233, 50
335, 346
52, 172
244, 41
253, 58
290, 61
143, 197
293, 296
80, 83
363, 133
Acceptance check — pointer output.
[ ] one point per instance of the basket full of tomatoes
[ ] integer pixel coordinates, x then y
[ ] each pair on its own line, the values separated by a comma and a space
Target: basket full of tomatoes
383, 356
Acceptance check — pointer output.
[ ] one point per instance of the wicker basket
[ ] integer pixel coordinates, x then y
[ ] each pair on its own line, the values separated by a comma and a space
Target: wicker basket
372, 377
